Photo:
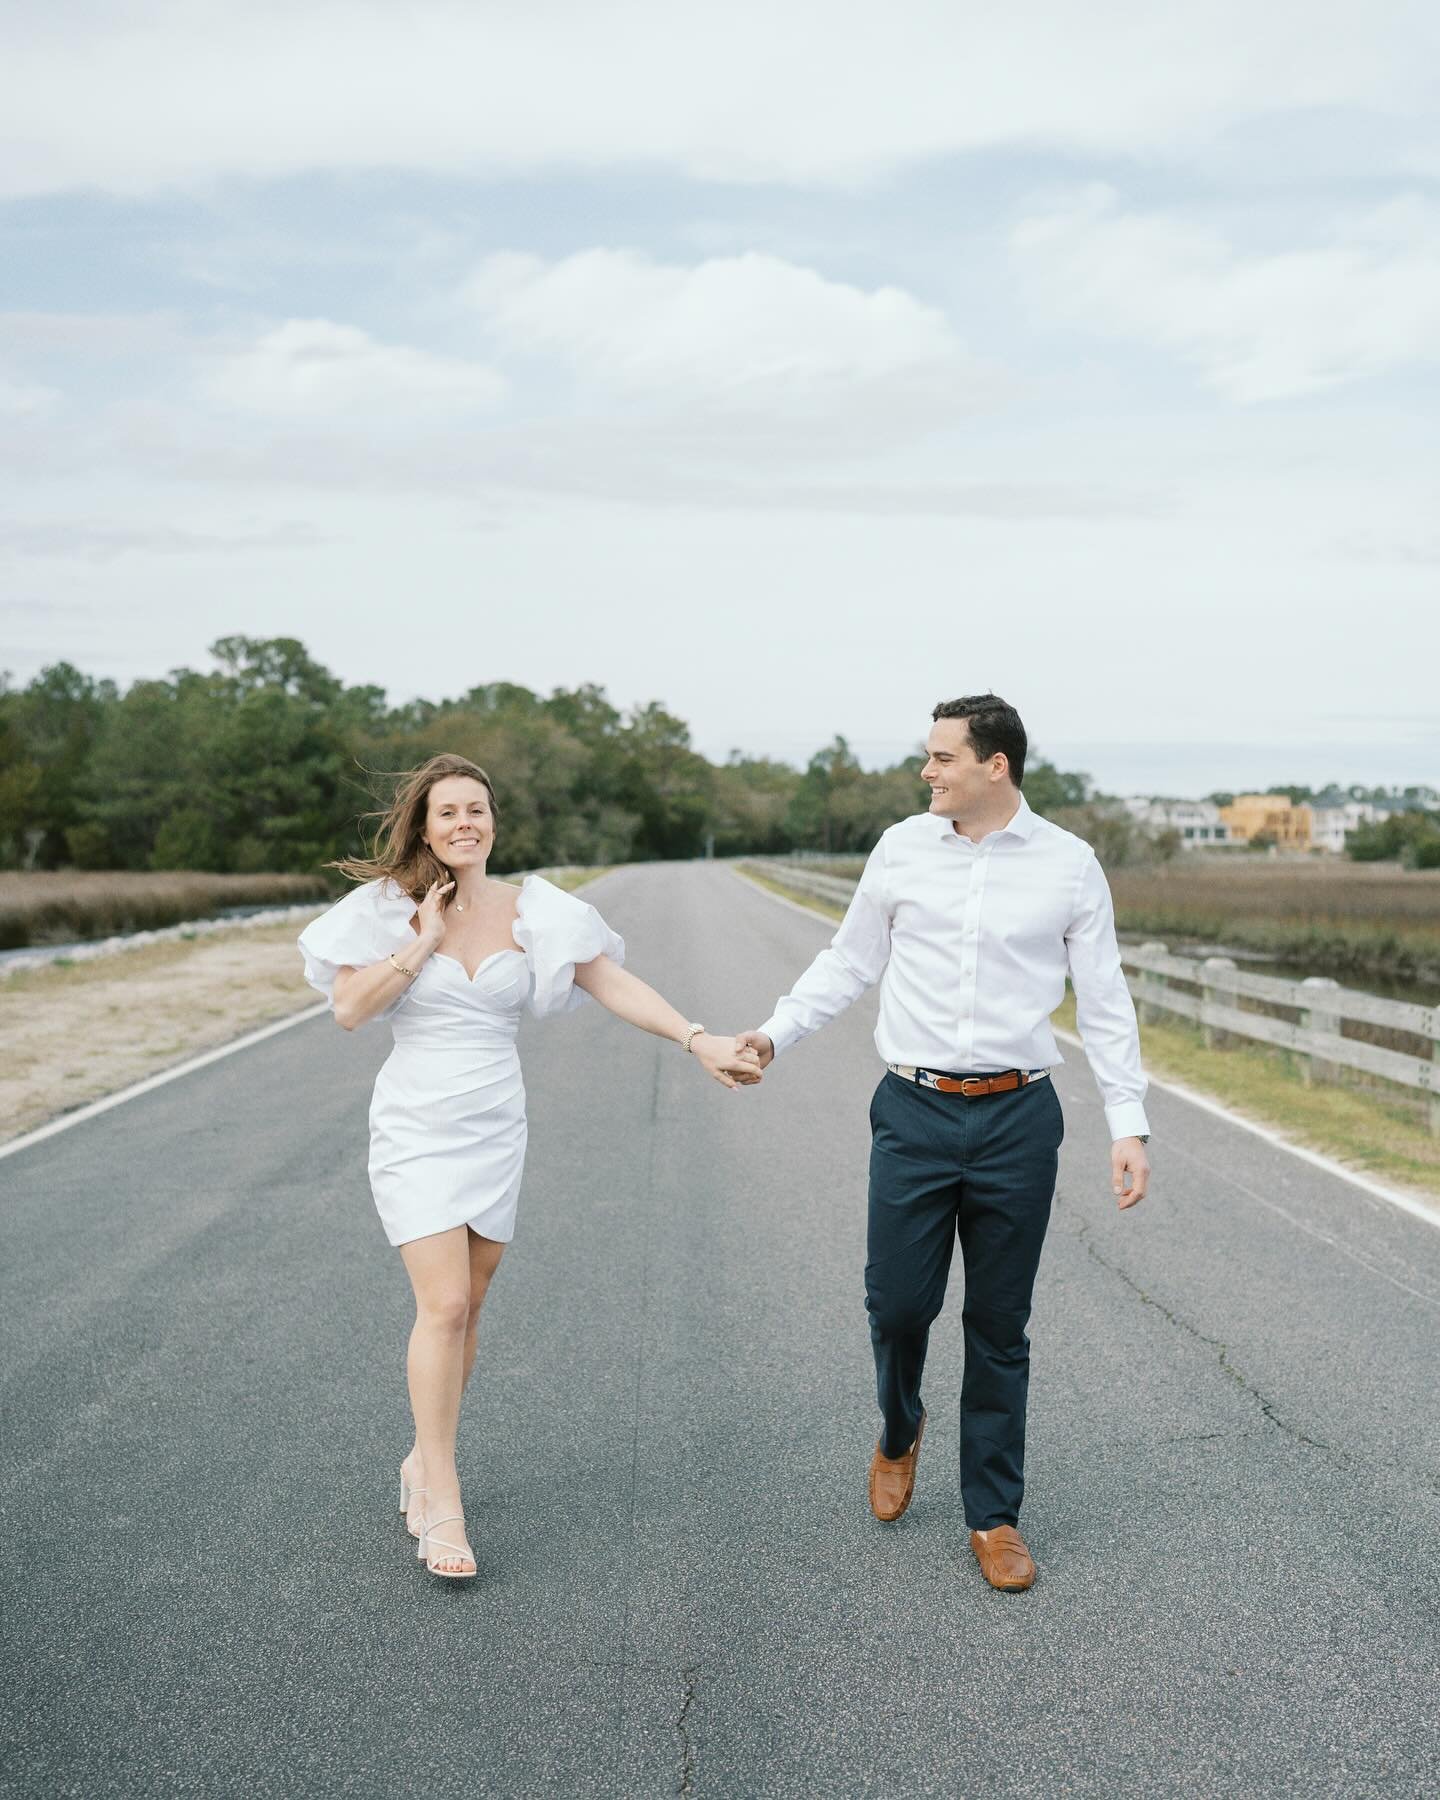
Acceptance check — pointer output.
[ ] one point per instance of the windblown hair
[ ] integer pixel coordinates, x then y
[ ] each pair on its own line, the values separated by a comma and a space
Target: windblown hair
398, 850
993, 725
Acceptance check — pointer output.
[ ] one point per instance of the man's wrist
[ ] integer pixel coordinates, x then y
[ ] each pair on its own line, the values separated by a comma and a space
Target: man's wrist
770, 1031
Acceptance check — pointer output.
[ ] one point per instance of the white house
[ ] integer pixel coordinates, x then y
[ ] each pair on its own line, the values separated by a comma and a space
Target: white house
1330, 825
1197, 821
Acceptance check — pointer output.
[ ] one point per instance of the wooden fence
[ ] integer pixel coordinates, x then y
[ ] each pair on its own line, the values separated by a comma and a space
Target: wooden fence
1305, 1017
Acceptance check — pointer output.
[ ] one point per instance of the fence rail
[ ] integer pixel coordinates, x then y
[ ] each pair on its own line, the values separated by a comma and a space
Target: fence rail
1210, 993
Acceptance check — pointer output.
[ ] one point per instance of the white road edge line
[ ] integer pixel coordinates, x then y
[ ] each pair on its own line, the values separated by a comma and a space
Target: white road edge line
82, 1113
1406, 1203
151, 1082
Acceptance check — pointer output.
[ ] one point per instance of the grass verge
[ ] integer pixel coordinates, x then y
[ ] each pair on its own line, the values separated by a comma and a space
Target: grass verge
1359, 1127
826, 908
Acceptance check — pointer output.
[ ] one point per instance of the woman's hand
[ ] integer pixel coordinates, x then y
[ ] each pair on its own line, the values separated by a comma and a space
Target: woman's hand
725, 1061
431, 912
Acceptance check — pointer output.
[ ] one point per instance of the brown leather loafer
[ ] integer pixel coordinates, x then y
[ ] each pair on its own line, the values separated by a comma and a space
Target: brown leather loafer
892, 1478
1004, 1561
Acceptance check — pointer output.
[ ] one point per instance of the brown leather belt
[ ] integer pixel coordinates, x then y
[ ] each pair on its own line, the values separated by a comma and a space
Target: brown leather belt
971, 1086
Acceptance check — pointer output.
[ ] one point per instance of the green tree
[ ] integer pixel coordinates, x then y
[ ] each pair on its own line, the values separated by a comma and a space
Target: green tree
1048, 790
56, 719
751, 799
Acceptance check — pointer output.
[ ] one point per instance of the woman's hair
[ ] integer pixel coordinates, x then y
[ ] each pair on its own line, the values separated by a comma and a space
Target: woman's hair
399, 851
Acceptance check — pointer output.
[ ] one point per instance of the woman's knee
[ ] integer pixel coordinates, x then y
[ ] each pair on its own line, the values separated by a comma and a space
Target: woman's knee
447, 1311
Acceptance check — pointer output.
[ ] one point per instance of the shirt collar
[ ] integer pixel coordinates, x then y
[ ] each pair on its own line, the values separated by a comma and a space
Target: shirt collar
1021, 826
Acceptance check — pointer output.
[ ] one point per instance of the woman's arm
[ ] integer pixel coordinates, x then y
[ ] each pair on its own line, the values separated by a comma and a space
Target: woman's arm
361, 993
630, 999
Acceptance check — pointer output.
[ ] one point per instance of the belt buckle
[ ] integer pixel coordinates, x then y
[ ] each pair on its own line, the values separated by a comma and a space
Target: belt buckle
973, 1086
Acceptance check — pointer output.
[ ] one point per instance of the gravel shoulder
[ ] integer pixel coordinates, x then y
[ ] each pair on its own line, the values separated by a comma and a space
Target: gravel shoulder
73, 1034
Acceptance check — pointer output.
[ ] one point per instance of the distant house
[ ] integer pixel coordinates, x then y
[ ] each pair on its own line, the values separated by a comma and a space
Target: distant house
1197, 822
1331, 825
1269, 816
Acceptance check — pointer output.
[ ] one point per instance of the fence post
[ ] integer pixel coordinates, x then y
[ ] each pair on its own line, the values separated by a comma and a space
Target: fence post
1322, 1018
1145, 1012
1212, 1038
1435, 1089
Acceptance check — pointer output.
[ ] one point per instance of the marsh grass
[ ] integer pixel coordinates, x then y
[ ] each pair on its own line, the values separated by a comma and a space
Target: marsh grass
56, 906
1330, 917
1322, 916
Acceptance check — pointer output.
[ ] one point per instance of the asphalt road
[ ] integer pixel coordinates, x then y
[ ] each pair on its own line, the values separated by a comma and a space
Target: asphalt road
1234, 1464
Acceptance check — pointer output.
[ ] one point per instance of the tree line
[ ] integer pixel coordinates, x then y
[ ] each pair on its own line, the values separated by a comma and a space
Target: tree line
268, 761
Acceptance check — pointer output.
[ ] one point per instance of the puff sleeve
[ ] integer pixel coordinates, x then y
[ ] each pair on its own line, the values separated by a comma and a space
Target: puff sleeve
360, 929
556, 931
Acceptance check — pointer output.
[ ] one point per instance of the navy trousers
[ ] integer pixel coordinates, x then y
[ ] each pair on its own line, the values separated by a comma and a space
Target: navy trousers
982, 1170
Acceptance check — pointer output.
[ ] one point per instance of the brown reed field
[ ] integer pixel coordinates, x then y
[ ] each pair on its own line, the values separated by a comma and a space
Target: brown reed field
1329, 915
59, 906
1318, 913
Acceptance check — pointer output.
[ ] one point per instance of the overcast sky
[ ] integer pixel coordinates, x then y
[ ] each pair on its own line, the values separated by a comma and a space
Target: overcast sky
795, 364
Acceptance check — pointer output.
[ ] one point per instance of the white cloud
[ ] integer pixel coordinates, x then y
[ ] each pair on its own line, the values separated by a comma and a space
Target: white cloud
811, 91
744, 335
22, 399
316, 369
101, 541
1259, 325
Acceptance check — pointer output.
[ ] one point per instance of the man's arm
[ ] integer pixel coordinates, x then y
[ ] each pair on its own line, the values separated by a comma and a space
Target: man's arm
854, 960
1105, 1015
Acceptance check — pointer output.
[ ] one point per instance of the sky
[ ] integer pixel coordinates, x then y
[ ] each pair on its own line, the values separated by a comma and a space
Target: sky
795, 365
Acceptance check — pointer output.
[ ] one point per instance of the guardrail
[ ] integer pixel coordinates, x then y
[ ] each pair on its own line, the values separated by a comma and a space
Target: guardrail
1209, 992
801, 879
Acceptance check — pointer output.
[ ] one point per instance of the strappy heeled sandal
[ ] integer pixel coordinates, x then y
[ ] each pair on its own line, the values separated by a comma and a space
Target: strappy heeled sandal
429, 1543
407, 1494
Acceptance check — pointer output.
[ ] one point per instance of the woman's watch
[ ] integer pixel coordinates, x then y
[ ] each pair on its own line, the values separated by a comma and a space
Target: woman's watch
690, 1036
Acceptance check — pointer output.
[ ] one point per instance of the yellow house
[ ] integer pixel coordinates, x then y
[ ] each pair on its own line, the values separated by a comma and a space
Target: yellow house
1270, 816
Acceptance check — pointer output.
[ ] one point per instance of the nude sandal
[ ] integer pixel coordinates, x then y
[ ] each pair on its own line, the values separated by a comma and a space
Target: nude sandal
430, 1543
407, 1494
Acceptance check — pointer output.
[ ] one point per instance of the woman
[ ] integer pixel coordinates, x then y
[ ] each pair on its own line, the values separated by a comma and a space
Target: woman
451, 957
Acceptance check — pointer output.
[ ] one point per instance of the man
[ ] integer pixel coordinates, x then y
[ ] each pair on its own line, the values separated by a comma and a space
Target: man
970, 915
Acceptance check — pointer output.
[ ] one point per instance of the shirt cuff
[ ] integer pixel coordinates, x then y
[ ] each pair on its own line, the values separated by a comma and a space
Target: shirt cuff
781, 1037
1127, 1119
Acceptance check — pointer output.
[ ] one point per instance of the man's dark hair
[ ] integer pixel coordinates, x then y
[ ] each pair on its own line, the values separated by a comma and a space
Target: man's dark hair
994, 725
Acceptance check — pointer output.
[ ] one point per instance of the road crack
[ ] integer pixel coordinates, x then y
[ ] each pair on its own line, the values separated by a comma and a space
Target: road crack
1231, 1369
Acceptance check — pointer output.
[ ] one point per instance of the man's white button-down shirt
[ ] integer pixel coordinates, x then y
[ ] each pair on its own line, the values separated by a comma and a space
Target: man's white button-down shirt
971, 944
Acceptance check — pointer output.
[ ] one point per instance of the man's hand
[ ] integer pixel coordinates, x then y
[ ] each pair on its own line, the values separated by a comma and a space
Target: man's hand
726, 1059
759, 1043
1128, 1160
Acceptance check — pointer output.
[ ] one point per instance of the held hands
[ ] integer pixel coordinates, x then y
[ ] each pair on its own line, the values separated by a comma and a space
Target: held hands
431, 911
759, 1043
1128, 1159
726, 1060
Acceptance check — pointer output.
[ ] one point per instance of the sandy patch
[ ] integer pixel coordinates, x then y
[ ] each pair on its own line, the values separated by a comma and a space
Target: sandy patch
73, 1034
70, 1035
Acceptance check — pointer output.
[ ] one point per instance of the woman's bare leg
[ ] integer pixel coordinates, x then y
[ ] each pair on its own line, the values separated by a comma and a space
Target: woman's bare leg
482, 1257
485, 1256
439, 1271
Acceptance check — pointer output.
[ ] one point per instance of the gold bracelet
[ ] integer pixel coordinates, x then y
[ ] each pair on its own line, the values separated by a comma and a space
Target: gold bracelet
691, 1035
401, 967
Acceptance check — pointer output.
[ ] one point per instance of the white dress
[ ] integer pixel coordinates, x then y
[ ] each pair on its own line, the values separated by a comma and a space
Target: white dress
447, 1120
